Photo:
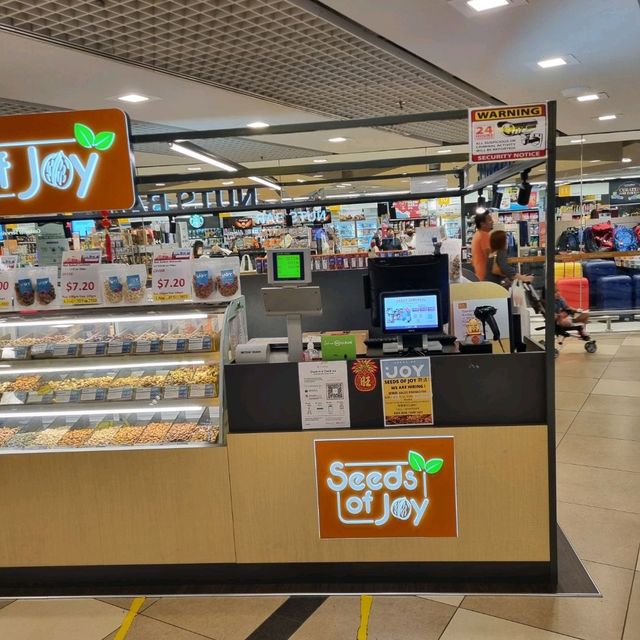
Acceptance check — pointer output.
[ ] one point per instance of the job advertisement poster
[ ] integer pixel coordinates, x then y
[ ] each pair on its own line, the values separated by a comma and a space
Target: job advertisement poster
406, 392
324, 395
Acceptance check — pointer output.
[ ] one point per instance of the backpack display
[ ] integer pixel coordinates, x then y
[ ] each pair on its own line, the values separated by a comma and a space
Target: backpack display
569, 240
624, 239
590, 245
636, 230
602, 234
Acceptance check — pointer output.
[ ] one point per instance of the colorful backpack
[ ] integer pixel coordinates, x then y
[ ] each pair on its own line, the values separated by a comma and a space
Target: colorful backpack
603, 236
624, 239
569, 240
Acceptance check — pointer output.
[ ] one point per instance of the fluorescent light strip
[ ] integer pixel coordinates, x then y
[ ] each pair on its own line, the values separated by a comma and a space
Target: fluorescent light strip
97, 412
103, 320
485, 5
266, 183
588, 98
186, 151
608, 117
552, 62
103, 367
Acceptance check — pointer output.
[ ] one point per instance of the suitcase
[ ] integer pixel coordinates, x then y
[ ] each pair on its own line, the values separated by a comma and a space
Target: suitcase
636, 291
575, 291
615, 292
593, 271
568, 270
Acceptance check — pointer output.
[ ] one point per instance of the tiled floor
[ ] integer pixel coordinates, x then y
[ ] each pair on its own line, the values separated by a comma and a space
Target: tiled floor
598, 420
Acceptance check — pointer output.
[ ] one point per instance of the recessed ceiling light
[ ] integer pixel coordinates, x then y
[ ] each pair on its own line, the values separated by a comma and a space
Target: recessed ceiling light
300, 180
319, 160
590, 97
627, 160
578, 140
444, 151
257, 125
611, 116
160, 184
346, 184
227, 182
193, 168
133, 97
340, 186
552, 62
338, 139
318, 175
592, 161
485, 5
428, 181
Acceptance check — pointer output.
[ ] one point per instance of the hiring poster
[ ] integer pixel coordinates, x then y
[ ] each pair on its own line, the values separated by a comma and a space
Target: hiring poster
407, 397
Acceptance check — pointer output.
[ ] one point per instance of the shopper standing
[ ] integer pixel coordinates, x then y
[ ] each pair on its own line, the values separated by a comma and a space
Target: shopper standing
498, 269
480, 244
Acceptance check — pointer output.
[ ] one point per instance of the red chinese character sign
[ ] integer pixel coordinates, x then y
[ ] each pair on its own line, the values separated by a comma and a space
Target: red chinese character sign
65, 162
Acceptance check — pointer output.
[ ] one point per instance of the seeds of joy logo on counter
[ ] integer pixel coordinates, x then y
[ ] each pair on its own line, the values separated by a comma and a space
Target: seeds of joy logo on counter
386, 487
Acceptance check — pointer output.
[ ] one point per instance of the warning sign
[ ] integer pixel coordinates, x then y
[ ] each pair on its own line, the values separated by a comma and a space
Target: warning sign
498, 134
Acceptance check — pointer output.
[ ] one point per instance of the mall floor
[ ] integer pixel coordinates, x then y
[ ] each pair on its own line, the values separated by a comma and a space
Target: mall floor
598, 409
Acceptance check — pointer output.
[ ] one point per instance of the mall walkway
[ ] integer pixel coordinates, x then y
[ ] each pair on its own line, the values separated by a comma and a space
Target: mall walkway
598, 401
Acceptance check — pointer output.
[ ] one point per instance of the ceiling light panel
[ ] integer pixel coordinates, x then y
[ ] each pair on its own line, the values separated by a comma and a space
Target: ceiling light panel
485, 5
550, 63
133, 98
283, 37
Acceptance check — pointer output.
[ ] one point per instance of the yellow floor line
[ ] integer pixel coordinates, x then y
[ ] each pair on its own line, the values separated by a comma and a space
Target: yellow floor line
128, 619
365, 610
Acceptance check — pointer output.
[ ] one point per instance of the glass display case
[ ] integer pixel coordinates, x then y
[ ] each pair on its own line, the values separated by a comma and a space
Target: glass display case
144, 376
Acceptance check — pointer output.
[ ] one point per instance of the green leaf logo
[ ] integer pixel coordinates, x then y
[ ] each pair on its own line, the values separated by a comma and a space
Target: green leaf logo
104, 140
433, 465
416, 461
83, 134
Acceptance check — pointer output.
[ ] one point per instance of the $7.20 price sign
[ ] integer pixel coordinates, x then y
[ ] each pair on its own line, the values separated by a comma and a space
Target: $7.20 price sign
171, 283
79, 284
171, 280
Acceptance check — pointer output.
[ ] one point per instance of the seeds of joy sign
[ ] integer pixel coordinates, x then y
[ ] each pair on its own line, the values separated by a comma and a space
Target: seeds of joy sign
65, 162
386, 487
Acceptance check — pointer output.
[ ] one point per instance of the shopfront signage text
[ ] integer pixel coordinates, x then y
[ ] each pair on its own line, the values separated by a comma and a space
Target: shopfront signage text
624, 191
498, 134
386, 487
194, 201
65, 162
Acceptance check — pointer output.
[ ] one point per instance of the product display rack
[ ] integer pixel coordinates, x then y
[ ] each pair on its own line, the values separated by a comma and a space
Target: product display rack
145, 376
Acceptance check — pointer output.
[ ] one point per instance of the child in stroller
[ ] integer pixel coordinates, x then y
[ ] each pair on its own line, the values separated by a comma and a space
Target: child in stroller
566, 319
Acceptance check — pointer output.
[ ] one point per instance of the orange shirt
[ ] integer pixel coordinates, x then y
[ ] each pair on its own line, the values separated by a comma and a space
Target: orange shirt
480, 249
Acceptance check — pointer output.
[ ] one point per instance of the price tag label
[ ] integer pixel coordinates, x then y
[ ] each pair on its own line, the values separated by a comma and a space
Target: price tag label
147, 393
88, 395
79, 278
94, 348
120, 393
64, 350
35, 398
197, 390
175, 345
63, 396
7, 280
117, 347
171, 274
39, 350
143, 346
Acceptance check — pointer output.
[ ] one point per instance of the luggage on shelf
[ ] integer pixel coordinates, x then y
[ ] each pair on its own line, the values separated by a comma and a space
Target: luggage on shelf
594, 270
614, 292
575, 291
636, 290
568, 270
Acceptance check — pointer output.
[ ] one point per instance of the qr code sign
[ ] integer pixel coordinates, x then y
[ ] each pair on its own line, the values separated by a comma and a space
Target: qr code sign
335, 391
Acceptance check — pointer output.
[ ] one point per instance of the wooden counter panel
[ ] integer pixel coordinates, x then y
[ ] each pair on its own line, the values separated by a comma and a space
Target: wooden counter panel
146, 506
502, 484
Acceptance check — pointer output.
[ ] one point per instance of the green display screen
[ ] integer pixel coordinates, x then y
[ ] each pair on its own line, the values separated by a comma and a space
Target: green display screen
289, 266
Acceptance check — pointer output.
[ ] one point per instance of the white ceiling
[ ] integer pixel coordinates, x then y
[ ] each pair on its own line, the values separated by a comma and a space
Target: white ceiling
498, 51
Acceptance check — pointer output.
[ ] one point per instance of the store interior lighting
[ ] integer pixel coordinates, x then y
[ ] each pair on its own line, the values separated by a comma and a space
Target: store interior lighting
485, 5
552, 62
272, 184
481, 206
133, 98
198, 153
590, 97
257, 125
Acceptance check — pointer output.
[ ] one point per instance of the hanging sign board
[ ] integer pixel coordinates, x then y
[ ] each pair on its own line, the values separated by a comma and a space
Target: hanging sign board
79, 281
508, 133
624, 191
386, 487
65, 162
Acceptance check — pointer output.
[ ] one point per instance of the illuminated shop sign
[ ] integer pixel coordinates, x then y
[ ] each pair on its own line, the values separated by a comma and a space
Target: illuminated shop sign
386, 487
65, 162
193, 201
284, 217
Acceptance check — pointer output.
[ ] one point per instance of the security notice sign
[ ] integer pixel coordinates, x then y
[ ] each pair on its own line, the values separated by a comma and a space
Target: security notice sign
508, 133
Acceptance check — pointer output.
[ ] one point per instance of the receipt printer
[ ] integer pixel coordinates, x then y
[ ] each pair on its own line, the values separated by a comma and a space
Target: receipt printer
253, 352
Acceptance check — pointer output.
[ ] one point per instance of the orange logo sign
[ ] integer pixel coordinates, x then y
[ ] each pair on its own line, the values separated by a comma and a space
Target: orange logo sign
64, 162
386, 487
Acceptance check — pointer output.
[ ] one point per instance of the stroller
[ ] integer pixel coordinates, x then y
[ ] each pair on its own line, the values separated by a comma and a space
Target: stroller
561, 332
